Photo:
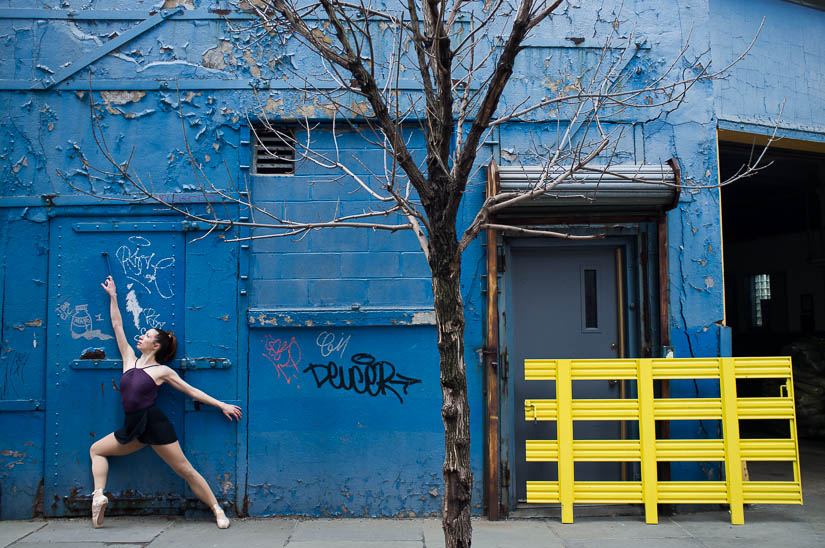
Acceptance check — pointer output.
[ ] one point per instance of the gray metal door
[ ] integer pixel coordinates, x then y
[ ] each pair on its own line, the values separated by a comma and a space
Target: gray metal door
563, 304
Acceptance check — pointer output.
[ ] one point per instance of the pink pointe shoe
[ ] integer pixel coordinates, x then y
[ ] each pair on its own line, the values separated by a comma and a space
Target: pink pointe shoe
99, 502
220, 518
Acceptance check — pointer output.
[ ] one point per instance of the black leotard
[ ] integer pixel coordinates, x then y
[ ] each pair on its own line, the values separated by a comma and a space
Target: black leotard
144, 420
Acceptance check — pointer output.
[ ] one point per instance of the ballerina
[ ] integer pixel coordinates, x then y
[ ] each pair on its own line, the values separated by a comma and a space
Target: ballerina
145, 424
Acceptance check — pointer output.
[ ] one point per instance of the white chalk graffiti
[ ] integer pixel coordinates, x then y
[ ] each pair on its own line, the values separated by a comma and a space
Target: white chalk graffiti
81, 322
153, 318
328, 343
81, 325
64, 310
133, 307
140, 265
150, 317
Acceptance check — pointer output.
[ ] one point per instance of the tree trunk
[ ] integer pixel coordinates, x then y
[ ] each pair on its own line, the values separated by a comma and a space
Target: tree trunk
445, 261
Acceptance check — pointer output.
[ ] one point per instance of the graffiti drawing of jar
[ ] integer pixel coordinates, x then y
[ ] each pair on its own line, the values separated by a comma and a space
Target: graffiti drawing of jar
81, 321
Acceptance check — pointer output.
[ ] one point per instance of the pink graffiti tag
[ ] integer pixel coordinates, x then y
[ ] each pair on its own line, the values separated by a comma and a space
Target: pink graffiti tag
282, 354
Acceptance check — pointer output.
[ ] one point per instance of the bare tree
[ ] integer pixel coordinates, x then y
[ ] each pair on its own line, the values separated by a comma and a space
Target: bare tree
461, 56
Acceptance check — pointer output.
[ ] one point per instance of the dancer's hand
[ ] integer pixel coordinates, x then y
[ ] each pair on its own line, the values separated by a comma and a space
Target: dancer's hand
108, 285
231, 411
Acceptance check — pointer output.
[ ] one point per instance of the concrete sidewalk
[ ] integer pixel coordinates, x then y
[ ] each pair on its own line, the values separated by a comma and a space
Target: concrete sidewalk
764, 527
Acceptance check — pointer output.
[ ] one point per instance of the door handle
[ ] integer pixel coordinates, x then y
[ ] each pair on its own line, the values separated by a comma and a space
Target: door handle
613, 346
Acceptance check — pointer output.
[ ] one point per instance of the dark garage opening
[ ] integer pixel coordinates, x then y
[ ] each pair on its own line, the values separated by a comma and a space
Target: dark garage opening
774, 253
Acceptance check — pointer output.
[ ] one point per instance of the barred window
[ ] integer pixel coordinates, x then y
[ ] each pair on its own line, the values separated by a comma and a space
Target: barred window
273, 151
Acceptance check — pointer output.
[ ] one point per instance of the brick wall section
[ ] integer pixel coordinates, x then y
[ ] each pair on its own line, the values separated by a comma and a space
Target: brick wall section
334, 268
787, 63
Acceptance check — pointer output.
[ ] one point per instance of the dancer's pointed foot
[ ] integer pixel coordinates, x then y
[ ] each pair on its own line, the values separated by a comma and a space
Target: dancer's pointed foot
220, 518
99, 502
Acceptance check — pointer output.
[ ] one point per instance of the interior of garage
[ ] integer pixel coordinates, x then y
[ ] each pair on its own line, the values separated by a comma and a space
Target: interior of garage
774, 260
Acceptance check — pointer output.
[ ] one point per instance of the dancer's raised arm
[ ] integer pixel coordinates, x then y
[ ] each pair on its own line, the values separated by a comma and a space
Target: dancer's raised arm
127, 354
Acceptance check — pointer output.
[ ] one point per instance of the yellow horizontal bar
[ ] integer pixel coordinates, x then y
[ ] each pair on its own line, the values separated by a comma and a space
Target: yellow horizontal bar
690, 450
542, 492
606, 450
765, 408
585, 450
540, 410
768, 449
693, 368
602, 410
542, 450
687, 408
772, 492
692, 492
762, 367
540, 370
603, 369
607, 491
680, 368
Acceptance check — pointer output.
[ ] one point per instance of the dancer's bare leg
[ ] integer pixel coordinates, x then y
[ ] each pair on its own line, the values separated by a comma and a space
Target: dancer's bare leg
108, 447
98, 452
173, 455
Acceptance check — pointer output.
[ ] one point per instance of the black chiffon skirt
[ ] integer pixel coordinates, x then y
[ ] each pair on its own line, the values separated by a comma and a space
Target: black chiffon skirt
148, 425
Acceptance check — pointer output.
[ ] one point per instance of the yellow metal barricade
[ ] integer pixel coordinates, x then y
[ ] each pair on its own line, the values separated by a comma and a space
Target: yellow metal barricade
647, 450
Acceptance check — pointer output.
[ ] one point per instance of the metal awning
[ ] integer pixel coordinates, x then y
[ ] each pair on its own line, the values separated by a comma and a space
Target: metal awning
626, 189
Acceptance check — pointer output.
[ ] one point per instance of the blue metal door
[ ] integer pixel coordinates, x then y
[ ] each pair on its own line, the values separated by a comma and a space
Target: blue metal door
162, 281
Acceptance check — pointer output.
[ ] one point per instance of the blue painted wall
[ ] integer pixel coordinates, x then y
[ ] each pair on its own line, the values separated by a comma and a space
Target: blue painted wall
786, 64
348, 302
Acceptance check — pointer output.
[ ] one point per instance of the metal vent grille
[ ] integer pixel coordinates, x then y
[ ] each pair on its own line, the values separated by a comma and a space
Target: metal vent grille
274, 153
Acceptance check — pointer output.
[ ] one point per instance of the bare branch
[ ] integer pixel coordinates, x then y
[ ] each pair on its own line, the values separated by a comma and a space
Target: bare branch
541, 232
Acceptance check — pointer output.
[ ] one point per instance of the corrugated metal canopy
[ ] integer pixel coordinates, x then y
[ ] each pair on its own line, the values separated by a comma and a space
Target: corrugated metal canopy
626, 189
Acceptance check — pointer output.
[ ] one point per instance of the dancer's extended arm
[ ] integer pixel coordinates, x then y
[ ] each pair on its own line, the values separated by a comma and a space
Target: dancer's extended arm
231, 411
127, 354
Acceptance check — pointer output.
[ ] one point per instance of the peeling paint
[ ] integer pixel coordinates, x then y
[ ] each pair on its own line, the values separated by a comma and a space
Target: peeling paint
252, 63
187, 4
360, 108
226, 484
190, 95
423, 318
214, 57
273, 105
122, 97
322, 36
509, 155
